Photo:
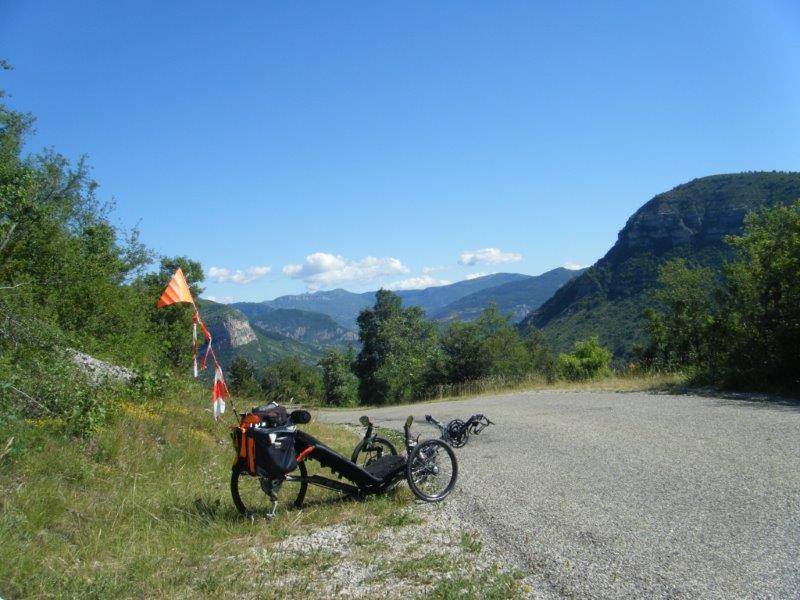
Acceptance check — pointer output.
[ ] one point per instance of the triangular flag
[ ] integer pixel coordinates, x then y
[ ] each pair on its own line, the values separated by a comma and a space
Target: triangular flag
219, 392
177, 290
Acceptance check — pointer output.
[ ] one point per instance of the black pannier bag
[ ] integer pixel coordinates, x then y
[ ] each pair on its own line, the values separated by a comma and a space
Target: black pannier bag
275, 452
271, 415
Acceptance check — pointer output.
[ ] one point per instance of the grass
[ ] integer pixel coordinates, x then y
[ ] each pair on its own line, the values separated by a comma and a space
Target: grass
143, 509
618, 382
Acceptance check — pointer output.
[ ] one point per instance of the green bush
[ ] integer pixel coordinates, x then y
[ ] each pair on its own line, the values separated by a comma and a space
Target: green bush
589, 360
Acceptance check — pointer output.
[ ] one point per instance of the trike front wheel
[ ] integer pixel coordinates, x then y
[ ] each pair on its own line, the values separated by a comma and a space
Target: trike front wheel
369, 451
431, 470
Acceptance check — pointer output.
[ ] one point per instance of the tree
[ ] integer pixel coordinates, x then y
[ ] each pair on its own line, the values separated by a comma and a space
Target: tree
542, 361
290, 379
242, 378
742, 331
398, 345
487, 347
339, 383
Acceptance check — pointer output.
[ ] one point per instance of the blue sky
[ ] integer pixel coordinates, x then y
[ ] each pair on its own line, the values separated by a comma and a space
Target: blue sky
296, 145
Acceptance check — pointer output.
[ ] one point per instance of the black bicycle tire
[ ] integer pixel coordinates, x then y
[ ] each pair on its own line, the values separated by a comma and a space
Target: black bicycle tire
359, 448
453, 477
240, 470
460, 441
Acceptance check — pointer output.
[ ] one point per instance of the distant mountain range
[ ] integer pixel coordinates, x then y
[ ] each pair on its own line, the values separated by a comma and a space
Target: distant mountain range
344, 306
516, 298
607, 299
689, 221
304, 325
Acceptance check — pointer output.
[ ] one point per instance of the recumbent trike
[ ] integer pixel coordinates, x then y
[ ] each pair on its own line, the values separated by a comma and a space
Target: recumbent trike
270, 448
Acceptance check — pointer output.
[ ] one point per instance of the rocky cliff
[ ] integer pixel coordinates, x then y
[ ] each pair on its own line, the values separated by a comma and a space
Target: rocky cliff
689, 221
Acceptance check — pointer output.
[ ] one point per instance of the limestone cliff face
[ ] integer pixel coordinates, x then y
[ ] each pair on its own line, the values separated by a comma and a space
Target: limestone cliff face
689, 221
677, 218
237, 329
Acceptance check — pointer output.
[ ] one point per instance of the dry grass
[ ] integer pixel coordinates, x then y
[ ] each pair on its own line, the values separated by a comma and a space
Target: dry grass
143, 510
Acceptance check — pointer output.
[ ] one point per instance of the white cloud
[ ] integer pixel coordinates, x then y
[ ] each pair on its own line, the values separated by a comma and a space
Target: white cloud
428, 270
223, 300
223, 275
488, 256
476, 275
322, 269
416, 283
573, 266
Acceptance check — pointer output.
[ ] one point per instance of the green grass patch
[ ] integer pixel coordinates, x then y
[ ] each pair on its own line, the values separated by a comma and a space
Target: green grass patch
143, 509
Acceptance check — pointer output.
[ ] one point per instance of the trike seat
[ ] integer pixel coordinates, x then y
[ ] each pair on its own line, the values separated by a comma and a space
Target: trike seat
373, 475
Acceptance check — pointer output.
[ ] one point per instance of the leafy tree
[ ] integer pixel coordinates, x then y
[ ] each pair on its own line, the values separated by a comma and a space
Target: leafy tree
487, 347
679, 333
290, 379
242, 378
172, 324
744, 330
541, 359
339, 383
589, 360
398, 345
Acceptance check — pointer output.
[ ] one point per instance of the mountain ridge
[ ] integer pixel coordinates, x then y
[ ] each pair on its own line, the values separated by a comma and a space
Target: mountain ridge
689, 221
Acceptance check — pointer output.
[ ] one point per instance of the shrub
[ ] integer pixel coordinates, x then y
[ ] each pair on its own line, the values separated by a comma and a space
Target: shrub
589, 360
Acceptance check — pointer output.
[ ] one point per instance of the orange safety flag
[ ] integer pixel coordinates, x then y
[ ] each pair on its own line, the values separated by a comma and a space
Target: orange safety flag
177, 291
219, 392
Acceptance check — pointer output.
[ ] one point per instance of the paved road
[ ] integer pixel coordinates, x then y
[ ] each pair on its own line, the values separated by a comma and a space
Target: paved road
602, 495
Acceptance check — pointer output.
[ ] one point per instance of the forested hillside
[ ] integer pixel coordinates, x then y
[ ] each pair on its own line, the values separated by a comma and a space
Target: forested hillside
313, 328
235, 336
690, 221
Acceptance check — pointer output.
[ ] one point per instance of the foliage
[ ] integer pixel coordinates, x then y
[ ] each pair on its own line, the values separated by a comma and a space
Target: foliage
686, 222
339, 383
290, 379
70, 280
398, 345
242, 378
742, 331
487, 347
542, 362
589, 360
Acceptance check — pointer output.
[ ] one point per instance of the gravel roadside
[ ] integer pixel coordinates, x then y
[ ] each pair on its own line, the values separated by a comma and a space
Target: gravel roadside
629, 495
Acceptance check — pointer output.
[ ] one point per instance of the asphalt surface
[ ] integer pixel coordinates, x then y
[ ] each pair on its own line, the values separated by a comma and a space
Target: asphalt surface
604, 495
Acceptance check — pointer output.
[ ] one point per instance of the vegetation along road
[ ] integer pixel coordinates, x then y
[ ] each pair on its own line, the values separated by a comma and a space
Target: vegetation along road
622, 495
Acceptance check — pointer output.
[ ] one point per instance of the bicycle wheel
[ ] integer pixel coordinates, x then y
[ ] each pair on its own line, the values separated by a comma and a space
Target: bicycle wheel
457, 433
431, 470
249, 492
365, 453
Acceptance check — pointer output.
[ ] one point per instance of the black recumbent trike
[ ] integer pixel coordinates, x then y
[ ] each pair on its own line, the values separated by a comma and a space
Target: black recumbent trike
270, 448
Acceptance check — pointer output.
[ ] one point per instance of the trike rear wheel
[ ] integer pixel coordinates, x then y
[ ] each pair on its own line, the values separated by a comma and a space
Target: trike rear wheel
431, 470
250, 497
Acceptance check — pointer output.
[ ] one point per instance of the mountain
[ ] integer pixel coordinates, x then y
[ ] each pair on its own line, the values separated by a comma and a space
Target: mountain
344, 306
433, 299
312, 328
689, 221
234, 335
516, 298
341, 305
